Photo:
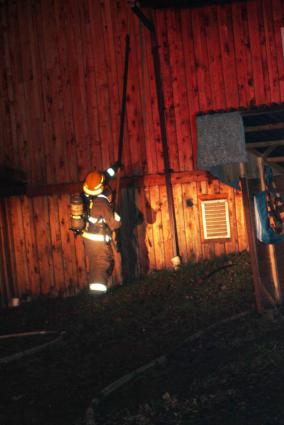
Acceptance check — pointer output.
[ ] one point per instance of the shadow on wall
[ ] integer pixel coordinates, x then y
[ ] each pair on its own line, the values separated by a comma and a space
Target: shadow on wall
135, 258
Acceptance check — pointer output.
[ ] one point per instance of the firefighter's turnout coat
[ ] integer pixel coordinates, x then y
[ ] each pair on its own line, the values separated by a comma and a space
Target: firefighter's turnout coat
102, 221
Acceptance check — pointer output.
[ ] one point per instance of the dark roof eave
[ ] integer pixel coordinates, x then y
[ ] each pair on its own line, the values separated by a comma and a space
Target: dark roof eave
182, 4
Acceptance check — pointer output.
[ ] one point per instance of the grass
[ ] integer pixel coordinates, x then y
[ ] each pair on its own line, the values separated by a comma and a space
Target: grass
231, 374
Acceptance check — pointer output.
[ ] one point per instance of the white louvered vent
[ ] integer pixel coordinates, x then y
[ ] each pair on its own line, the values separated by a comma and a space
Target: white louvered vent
215, 217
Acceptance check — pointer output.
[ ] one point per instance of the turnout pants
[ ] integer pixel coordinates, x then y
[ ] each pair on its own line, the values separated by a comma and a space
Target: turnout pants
101, 262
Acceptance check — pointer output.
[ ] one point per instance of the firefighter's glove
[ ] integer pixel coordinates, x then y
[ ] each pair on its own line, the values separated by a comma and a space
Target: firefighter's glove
117, 217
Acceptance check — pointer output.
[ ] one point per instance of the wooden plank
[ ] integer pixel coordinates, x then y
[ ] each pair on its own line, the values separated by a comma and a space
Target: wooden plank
265, 58
21, 162
143, 181
154, 142
88, 33
180, 99
199, 22
56, 247
265, 144
36, 58
115, 80
282, 39
135, 140
228, 55
43, 243
68, 118
157, 227
208, 248
33, 131
34, 107
243, 56
102, 83
33, 285
136, 222
264, 127
81, 262
24, 41
14, 37
4, 51
232, 244
49, 48
150, 218
78, 92
275, 159
6, 284
67, 240
255, 47
278, 21
144, 260
120, 17
135, 128
180, 221
56, 90
271, 52
8, 150
6, 153
19, 248
132, 237
192, 221
166, 229
147, 145
191, 80
161, 29
240, 222
215, 59
148, 100
123, 266
9, 241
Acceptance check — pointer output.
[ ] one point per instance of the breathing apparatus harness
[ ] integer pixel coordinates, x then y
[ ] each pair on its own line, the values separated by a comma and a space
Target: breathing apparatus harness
82, 223
96, 229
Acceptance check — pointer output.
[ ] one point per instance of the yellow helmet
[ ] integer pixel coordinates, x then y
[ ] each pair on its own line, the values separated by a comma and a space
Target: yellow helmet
94, 183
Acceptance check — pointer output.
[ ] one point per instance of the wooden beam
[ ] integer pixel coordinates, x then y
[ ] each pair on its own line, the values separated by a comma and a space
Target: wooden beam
264, 144
275, 165
264, 127
269, 151
275, 159
258, 113
250, 227
271, 247
136, 181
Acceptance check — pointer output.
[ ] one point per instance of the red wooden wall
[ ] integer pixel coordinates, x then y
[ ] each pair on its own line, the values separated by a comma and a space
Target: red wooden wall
61, 65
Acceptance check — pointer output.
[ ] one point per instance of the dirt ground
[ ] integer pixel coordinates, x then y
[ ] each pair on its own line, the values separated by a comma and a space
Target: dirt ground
211, 371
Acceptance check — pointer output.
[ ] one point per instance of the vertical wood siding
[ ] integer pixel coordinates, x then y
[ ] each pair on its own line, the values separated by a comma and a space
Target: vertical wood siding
48, 259
62, 70
61, 64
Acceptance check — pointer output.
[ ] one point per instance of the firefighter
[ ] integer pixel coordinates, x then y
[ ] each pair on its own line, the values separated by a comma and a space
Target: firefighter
101, 222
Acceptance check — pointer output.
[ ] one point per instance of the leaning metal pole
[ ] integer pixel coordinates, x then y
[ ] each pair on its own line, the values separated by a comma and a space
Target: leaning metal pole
161, 108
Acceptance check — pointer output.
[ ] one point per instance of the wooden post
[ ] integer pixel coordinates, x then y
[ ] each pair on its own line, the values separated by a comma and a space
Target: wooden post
6, 275
251, 238
118, 278
161, 109
271, 247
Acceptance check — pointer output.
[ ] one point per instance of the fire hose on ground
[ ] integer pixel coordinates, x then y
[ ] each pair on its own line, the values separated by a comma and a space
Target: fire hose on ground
111, 388
36, 349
